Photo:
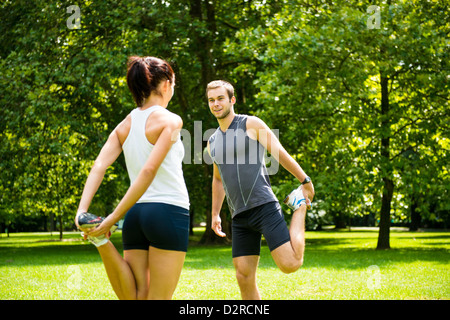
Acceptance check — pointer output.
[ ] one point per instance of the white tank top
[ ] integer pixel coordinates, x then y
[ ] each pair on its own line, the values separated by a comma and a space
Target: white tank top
168, 185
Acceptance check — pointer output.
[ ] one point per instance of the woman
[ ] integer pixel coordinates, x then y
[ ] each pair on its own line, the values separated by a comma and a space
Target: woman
156, 227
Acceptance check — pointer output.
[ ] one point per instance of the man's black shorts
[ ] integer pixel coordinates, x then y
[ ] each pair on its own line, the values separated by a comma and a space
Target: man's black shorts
248, 226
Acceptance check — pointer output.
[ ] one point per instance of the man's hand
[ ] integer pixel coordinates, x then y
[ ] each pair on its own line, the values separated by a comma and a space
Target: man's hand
216, 225
308, 192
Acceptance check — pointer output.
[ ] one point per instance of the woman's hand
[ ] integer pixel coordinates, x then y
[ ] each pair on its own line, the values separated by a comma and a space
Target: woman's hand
102, 228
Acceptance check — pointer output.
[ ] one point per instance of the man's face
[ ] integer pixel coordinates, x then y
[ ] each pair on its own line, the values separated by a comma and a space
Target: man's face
219, 103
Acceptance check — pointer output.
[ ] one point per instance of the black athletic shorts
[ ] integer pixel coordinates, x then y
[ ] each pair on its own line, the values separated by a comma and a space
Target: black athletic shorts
248, 226
159, 225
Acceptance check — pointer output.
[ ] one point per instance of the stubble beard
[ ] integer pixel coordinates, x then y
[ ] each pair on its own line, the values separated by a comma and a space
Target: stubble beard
224, 115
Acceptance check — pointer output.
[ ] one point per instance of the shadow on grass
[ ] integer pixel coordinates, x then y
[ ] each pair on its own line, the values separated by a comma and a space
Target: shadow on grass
323, 250
363, 258
44, 249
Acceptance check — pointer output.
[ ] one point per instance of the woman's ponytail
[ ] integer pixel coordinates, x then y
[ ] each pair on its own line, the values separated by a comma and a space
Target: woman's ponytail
144, 75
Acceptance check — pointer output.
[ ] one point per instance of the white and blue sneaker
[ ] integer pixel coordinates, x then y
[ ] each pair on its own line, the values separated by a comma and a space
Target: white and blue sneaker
97, 241
295, 199
89, 220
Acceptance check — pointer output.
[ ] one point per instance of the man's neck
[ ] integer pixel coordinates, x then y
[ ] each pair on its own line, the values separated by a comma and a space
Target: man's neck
225, 122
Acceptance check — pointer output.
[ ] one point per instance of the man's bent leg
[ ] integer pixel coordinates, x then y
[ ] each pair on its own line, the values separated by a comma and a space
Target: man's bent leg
246, 267
289, 256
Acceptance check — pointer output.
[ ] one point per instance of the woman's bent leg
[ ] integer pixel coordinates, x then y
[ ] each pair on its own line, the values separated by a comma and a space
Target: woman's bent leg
138, 262
119, 272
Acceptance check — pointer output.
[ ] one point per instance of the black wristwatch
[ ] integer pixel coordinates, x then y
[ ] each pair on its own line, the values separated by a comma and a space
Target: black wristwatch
307, 179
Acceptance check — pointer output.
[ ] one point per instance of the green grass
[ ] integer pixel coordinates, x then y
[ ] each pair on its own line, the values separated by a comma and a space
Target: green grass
338, 265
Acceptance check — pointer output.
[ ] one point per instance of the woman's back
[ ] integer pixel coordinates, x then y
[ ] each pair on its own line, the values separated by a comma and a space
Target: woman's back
138, 135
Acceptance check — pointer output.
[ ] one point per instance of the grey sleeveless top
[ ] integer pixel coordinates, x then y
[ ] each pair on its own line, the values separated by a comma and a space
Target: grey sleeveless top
240, 160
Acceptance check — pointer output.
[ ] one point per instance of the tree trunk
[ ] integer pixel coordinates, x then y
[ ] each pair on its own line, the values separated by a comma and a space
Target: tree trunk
388, 188
204, 11
202, 40
415, 215
340, 221
52, 223
385, 215
60, 227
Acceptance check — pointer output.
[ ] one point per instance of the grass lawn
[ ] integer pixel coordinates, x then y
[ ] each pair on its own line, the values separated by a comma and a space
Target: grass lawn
338, 265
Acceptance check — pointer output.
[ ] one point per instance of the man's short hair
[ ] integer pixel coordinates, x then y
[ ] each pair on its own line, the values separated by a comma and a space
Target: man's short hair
220, 83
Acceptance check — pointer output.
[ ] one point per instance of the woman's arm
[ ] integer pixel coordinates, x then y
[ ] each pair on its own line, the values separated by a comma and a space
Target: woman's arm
109, 153
172, 125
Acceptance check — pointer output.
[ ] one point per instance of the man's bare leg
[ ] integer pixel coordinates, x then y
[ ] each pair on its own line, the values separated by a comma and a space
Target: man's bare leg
289, 256
246, 276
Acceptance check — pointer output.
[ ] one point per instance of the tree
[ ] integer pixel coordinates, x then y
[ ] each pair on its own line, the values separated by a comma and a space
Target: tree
351, 95
364, 110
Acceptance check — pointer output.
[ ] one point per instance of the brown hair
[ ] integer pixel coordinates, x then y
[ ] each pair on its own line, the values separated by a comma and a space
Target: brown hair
144, 74
220, 83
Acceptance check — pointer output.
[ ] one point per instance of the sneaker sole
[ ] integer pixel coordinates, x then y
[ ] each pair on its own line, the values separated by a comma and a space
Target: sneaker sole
89, 225
86, 226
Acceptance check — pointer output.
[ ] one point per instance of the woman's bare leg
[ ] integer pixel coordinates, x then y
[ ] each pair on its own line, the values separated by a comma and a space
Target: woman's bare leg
165, 270
119, 272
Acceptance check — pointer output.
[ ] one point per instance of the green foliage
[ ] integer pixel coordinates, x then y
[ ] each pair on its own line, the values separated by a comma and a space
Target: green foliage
320, 84
315, 72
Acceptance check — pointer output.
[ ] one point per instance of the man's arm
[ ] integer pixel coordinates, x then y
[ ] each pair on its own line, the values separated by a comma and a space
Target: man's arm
218, 194
258, 130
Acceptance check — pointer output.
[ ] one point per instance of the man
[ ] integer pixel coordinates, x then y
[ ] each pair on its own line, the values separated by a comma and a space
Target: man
237, 148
